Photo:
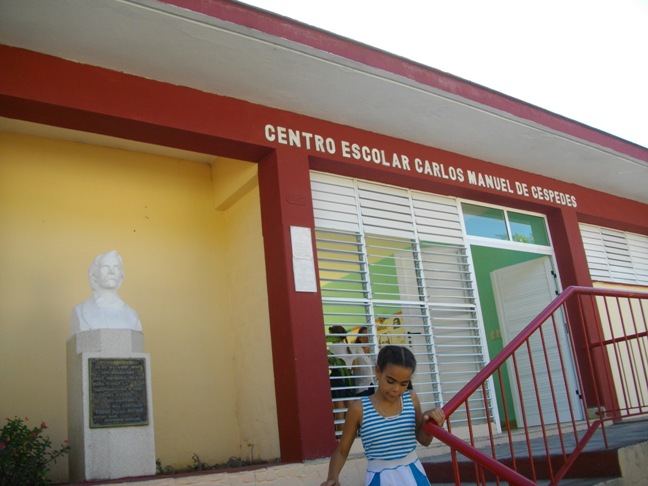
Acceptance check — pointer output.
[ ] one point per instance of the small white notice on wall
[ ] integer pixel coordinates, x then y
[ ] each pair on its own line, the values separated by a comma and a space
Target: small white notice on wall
303, 261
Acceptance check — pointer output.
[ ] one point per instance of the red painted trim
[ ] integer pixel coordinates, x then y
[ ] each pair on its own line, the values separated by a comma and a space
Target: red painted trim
140, 131
292, 30
45, 89
569, 249
304, 408
50, 90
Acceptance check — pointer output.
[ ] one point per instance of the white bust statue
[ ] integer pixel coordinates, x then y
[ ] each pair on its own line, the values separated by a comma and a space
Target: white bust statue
105, 309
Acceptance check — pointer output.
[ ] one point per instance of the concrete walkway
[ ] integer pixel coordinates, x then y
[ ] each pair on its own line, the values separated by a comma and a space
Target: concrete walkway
625, 438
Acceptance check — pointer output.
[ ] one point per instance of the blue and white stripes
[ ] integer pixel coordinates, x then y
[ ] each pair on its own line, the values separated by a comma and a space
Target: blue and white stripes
388, 438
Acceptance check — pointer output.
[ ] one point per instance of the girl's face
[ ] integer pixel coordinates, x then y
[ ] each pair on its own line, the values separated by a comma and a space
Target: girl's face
393, 380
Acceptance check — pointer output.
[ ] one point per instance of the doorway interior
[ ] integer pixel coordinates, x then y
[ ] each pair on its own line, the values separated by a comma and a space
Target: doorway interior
514, 287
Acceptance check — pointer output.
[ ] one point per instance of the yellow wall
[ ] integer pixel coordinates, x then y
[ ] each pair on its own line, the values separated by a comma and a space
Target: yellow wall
253, 359
194, 274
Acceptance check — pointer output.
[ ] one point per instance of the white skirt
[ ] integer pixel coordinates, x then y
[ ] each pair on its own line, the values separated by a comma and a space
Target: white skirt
407, 471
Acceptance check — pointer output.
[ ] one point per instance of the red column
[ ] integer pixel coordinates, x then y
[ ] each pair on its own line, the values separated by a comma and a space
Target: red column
296, 322
568, 245
574, 270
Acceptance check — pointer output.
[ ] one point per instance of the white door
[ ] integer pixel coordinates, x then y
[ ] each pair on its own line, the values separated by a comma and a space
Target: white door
522, 291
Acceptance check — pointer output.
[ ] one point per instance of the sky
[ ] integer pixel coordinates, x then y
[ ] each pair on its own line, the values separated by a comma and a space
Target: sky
583, 59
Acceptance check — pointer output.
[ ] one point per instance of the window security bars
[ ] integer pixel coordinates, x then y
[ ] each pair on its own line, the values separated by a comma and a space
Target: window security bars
403, 292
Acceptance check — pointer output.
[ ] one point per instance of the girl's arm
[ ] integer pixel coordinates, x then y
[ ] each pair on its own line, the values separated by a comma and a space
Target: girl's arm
352, 423
436, 414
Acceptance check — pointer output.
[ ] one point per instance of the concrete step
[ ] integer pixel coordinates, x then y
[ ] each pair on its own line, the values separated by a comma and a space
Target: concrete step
624, 459
612, 467
595, 464
566, 482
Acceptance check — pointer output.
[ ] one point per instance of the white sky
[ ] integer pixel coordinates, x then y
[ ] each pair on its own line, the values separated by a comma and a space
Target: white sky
583, 59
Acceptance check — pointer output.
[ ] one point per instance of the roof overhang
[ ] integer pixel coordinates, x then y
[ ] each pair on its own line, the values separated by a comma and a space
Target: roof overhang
231, 49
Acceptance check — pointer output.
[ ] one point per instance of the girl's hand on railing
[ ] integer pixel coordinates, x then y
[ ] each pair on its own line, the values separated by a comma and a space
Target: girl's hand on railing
437, 415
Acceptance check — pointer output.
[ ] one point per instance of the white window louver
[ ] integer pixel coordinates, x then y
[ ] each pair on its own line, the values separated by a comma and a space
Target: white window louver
615, 256
396, 262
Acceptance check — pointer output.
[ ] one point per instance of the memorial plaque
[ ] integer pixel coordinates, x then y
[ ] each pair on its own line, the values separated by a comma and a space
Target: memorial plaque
118, 392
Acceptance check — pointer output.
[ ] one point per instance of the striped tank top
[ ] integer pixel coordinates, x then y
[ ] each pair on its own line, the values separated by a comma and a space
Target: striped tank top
388, 438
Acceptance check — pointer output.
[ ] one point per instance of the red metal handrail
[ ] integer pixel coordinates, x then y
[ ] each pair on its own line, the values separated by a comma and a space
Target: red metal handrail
607, 336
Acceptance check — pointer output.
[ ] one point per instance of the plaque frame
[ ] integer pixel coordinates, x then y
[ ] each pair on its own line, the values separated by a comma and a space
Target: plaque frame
118, 391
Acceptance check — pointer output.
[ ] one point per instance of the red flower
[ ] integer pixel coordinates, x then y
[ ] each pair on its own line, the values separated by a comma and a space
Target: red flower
43, 425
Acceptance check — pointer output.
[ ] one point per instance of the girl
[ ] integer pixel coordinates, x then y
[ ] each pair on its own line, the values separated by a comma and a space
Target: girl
390, 422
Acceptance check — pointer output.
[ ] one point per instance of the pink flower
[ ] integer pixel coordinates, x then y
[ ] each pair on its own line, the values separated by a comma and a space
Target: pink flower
2, 445
43, 425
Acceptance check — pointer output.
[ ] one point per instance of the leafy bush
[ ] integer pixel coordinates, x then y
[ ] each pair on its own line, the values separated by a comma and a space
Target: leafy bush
25, 454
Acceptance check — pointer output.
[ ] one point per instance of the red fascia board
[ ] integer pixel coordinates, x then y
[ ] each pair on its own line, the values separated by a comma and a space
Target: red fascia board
88, 121
298, 32
43, 89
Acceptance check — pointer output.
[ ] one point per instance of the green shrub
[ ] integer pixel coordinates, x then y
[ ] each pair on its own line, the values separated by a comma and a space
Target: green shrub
25, 454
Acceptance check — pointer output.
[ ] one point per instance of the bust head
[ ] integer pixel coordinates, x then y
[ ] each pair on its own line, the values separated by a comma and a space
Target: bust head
105, 309
106, 272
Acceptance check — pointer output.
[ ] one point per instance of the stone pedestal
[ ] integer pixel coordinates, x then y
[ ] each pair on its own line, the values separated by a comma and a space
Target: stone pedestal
110, 407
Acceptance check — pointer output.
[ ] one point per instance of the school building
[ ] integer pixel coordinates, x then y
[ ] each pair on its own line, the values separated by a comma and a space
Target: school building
265, 180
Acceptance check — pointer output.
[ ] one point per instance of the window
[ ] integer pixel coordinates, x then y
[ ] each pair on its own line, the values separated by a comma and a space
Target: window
615, 256
528, 229
486, 222
395, 261
501, 224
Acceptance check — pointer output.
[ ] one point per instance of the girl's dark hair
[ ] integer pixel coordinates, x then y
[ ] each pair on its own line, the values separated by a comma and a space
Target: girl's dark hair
337, 330
396, 355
